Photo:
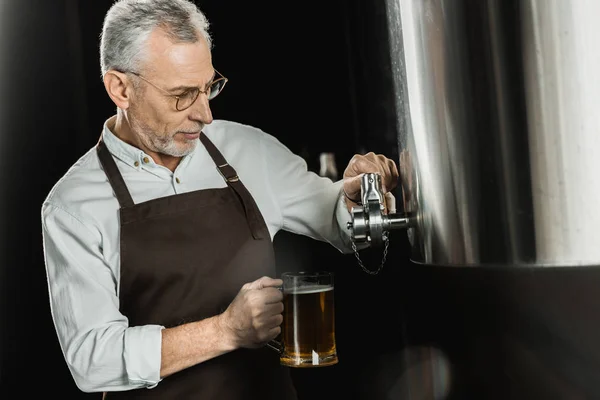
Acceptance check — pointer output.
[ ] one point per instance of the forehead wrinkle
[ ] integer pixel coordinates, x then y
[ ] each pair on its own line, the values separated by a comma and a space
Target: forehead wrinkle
175, 59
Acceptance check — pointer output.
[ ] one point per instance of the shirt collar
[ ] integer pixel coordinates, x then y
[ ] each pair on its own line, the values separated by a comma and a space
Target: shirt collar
129, 154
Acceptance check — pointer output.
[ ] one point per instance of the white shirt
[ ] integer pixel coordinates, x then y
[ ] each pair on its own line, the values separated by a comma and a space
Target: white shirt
81, 240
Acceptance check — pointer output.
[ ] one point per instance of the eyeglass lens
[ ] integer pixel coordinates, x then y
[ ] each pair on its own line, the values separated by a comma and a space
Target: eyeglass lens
215, 88
190, 97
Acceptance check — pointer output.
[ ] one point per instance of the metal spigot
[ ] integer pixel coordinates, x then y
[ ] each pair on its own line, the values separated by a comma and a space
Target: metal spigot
369, 223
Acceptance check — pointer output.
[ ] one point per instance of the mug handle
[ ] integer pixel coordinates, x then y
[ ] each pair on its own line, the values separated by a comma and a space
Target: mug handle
276, 344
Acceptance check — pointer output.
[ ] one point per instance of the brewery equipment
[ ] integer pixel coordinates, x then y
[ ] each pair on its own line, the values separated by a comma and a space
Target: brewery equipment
498, 120
369, 223
499, 129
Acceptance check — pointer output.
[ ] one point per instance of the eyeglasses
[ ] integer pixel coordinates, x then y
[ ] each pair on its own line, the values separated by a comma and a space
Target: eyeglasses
189, 97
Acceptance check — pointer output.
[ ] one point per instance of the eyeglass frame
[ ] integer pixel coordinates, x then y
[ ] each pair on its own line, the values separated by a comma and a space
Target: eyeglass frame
177, 97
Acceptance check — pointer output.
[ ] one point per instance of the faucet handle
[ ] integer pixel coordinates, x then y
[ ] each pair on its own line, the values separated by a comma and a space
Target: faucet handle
371, 189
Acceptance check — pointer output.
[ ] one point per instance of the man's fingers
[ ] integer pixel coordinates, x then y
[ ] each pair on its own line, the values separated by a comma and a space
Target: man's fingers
272, 320
274, 308
389, 173
272, 295
265, 282
386, 178
274, 332
390, 203
370, 163
352, 187
394, 174
361, 165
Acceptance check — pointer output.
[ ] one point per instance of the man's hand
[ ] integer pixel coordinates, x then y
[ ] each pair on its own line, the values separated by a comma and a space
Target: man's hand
254, 316
366, 164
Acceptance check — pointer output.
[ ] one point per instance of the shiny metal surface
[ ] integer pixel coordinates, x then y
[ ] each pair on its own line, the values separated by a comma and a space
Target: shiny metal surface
498, 104
371, 189
370, 223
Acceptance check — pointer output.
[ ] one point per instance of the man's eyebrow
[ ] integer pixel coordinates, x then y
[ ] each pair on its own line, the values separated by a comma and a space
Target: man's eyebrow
182, 88
185, 88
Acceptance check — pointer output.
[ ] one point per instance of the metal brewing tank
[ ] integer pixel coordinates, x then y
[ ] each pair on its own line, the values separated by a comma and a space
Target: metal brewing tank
498, 104
498, 115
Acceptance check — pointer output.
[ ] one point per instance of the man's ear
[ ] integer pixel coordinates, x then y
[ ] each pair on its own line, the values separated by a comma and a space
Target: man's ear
118, 86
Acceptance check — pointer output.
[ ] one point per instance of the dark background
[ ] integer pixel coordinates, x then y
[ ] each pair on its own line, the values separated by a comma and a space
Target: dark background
311, 73
316, 75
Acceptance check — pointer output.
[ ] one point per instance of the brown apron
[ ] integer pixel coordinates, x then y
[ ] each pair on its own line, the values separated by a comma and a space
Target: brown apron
184, 258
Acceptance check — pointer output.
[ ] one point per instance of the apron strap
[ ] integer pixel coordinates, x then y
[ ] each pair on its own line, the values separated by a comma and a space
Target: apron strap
253, 215
114, 176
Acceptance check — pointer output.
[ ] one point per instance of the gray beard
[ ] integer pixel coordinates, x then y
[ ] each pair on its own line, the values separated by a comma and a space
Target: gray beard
167, 145
164, 145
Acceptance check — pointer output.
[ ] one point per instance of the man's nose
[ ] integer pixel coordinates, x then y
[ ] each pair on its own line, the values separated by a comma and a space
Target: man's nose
201, 109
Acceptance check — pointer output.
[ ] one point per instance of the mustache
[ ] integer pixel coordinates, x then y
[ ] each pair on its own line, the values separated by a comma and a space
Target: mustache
193, 130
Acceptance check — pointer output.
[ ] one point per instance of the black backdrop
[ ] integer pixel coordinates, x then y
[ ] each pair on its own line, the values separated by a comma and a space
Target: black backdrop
312, 73
315, 75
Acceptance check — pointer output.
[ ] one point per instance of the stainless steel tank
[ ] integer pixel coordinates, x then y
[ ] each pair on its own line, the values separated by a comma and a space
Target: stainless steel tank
498, 103
498, 111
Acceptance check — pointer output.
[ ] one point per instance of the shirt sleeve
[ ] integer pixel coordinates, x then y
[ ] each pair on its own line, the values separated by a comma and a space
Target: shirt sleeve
102, 352
309, 204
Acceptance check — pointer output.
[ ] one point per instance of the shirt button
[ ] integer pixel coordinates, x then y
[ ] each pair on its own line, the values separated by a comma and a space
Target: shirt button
137, 163
146, 160
177, 180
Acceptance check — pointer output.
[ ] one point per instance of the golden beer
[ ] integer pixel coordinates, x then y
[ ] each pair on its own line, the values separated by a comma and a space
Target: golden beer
308, 328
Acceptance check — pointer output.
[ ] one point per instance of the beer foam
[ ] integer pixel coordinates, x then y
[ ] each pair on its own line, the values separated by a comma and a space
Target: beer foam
309, 289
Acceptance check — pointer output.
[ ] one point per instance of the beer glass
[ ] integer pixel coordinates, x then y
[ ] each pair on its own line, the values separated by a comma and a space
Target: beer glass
308, 330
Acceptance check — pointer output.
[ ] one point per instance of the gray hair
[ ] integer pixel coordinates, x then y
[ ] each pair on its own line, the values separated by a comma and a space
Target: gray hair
129, 23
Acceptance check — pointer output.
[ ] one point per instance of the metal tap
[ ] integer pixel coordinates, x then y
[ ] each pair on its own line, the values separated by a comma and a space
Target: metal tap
369, 223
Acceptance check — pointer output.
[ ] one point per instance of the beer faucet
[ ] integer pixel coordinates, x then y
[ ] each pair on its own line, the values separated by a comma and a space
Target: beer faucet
369, 224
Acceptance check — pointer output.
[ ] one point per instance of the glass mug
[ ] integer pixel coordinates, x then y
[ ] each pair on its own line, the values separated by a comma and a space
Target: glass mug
307, 336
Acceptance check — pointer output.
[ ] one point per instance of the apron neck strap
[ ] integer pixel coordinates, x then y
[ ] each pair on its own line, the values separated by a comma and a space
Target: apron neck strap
228, 172
114, 176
